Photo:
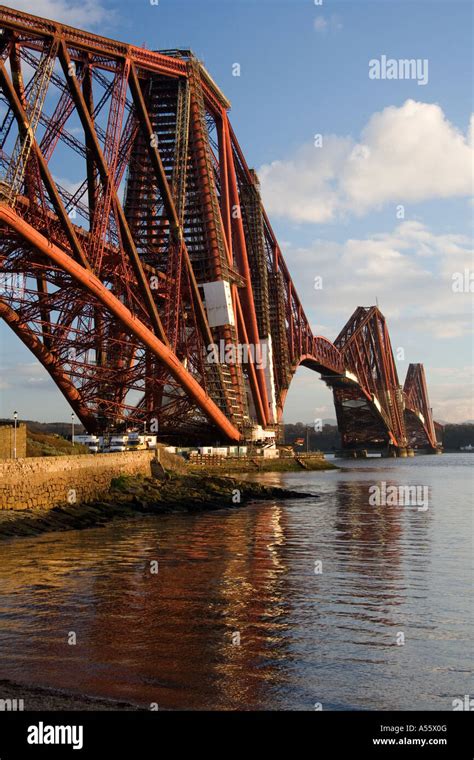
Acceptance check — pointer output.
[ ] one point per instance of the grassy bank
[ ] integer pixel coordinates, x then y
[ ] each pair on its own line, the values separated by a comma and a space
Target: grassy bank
51, 445
258, 464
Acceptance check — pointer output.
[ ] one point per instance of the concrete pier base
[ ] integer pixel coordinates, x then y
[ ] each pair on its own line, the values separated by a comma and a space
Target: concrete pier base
352, 453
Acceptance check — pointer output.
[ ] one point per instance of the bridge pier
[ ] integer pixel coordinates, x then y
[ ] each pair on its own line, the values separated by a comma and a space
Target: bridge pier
352, 453
392, 452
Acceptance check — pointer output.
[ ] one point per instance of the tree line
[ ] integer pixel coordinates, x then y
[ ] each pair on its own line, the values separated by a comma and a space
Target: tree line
452, 436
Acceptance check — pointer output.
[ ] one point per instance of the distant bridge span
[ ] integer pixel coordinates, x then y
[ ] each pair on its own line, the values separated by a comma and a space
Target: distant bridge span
122, 282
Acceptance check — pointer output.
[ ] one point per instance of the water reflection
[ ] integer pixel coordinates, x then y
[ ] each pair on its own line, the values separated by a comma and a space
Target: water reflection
304, 636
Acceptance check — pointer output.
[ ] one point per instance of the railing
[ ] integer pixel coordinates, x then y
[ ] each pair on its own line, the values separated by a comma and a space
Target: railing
218, 460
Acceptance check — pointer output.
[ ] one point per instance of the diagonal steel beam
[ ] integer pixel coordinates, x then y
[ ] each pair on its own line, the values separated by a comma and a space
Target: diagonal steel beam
51, 363
94, 286
153, 153
50, 185
127, 238
167, 196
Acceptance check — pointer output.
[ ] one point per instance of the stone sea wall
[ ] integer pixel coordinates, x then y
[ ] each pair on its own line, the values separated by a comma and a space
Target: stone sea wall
46, 482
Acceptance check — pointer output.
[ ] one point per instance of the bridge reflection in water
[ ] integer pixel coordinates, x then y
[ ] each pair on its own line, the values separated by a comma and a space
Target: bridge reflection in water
304, 637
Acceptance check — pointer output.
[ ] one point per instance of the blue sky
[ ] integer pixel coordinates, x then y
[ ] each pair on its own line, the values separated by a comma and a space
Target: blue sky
335, 208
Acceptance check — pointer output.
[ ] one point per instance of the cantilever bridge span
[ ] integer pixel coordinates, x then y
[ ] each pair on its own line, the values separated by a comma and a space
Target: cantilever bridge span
121, 282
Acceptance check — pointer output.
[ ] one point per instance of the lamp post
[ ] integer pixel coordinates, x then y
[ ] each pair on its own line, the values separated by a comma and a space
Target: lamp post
72, 428
15, 418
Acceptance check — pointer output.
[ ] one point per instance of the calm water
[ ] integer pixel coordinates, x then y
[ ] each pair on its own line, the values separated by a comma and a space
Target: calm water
304, 637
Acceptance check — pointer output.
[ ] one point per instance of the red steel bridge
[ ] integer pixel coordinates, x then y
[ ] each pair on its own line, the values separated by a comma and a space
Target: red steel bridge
121, 284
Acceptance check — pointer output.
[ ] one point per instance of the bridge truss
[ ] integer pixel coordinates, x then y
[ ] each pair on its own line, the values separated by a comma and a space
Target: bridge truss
127, 284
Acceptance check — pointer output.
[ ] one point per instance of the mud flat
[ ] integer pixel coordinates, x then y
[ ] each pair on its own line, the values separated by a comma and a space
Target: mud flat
139, 495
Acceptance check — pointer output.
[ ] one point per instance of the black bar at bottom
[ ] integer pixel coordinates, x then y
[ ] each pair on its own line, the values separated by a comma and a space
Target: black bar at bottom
144, 734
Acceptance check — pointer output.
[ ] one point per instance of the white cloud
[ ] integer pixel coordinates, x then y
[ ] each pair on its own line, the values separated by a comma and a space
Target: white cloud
414, 154
27, 372
451, 392
453, 402
304, 188
82, 13
409, 271
405, 155
452, 373
320, 23
68, 184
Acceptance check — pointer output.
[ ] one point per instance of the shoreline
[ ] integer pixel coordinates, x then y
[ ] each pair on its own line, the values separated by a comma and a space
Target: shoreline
256, 465
132, 496
129, 497
49, 699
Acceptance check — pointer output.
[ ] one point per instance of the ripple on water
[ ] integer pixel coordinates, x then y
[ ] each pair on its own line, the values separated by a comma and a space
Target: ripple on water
304, 636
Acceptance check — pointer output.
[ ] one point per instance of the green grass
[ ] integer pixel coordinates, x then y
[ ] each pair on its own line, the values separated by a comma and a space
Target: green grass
51, 445
121, 483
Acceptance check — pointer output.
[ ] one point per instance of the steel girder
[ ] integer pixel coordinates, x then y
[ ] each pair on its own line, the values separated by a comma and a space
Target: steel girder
418, 414
115, 270
368, 399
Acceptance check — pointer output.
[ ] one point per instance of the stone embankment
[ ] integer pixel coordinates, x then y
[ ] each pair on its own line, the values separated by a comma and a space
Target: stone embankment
64, 481
130, 495
47, 482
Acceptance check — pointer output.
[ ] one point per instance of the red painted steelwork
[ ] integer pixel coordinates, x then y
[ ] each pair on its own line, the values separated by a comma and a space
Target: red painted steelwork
96, 288
163, 252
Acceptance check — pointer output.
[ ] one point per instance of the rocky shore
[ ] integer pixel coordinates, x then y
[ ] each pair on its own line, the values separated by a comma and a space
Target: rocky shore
138, 495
